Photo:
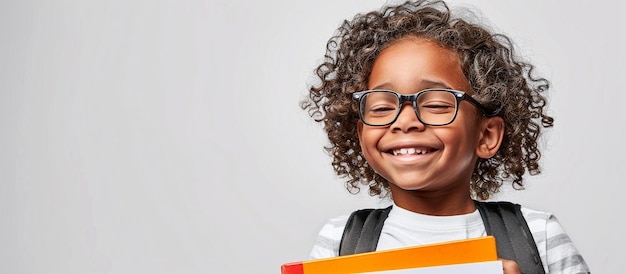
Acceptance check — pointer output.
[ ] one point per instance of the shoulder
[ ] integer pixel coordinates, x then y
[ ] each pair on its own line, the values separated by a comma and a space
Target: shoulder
329, 237
543, 225
538, 220
555, 247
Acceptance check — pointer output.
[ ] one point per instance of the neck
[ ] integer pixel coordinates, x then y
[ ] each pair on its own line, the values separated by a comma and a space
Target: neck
447, 204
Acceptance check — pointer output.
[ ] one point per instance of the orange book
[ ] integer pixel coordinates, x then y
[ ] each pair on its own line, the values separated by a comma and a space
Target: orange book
474, 250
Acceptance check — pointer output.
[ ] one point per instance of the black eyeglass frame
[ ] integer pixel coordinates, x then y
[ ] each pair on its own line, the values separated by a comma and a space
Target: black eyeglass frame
402, 98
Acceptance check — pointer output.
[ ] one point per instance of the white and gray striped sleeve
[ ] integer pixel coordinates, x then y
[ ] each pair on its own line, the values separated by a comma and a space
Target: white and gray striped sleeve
558, 252
328, 239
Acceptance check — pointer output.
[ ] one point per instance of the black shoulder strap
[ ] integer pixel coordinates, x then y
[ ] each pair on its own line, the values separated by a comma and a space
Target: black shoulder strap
362, 231
503, 220
514, 241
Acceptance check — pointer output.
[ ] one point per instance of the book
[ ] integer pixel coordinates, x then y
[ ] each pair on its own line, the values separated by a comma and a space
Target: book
475, 250
490, 267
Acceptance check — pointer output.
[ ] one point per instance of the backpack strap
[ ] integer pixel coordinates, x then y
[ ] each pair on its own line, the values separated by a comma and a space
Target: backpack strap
503, 220
362, 231
514, 241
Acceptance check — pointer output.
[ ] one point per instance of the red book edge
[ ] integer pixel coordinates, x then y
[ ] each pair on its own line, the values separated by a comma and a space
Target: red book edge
292, 268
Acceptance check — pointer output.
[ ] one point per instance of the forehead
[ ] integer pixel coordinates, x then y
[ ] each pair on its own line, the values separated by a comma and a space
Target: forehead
411, 64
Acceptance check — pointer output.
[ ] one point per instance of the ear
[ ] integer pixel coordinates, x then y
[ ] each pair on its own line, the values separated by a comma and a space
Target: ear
490, 136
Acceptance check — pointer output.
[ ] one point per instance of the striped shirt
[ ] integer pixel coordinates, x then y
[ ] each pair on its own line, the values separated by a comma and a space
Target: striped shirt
405, 228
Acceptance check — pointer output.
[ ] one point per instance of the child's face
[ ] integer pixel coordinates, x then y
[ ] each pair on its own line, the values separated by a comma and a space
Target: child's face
435, 159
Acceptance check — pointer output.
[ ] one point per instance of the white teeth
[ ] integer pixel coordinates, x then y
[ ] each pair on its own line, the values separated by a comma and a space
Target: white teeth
409, 151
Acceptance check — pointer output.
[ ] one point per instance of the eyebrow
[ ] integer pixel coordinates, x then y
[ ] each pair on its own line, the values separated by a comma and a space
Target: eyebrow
383, 86
423, 84
436, 84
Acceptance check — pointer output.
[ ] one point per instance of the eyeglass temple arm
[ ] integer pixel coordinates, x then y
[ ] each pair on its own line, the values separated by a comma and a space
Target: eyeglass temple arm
488, 112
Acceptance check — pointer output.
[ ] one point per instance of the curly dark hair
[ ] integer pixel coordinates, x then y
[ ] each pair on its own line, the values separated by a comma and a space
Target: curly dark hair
498, 78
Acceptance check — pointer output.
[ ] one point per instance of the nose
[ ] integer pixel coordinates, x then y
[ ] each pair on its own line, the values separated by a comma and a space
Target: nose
407, 120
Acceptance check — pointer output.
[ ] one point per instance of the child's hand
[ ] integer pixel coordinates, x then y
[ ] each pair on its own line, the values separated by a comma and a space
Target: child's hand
510, 267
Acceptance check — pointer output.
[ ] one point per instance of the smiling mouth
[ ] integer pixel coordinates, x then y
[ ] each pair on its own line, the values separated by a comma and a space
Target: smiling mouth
410, 151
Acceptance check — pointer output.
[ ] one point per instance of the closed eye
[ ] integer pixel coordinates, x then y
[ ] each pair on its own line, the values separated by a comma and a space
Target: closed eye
382, 110
436, 108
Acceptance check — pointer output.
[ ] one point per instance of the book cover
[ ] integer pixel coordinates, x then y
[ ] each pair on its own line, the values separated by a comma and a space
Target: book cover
490, 267
474, 250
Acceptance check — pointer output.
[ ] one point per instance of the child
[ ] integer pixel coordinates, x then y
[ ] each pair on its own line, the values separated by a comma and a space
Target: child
433, 111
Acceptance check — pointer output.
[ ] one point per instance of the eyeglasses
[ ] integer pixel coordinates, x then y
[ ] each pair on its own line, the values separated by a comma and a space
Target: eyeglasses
434, 107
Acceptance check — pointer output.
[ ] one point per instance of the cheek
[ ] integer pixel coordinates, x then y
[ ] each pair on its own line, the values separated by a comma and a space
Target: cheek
461, 139
466, 126
369, 136
369, 139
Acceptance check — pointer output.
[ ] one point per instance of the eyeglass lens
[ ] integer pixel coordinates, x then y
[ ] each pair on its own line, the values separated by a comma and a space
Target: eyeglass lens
435, 107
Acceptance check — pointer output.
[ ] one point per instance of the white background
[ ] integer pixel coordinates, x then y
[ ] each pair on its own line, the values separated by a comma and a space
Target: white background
166, 136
